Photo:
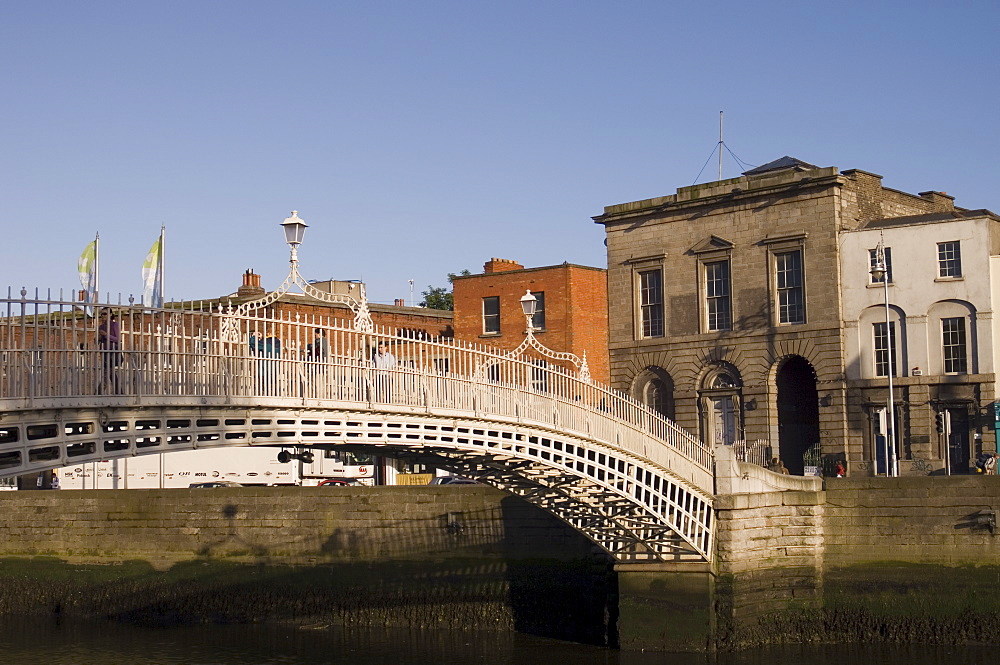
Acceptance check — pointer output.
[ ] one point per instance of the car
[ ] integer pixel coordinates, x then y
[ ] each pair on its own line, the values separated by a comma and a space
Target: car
215, 483
338, 482
452, 480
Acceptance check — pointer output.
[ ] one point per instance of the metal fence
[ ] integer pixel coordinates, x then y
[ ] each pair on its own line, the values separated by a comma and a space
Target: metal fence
756, 452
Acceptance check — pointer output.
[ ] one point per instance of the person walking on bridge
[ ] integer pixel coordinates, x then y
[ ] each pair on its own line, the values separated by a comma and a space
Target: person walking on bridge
383, 362
108, 333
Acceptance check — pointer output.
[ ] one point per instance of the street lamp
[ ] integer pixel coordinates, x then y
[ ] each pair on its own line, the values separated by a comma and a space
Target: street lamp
294, 229
880, 273
528, 305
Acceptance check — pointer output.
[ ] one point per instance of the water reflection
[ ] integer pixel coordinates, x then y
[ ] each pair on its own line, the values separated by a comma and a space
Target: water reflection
43, 642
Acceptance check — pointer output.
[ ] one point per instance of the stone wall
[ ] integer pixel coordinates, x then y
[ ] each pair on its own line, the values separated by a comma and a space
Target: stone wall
904, 559
462, 557
290, 525
918, 520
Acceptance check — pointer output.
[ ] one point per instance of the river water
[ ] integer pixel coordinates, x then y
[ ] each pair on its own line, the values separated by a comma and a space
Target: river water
46, 642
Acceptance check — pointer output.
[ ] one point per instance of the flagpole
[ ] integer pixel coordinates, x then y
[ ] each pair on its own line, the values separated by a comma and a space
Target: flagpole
97, 267
163, 234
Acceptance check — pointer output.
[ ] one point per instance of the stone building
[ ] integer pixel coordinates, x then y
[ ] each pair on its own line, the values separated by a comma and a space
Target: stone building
744, 309
571, 313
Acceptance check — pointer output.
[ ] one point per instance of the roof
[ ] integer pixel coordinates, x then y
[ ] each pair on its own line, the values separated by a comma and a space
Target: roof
929, 218
781, 164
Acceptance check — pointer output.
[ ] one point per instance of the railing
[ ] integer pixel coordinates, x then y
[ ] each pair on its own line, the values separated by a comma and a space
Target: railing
49, 350
756, 452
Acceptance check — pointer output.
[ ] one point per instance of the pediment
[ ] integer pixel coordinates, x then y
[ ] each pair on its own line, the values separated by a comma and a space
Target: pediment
711, 244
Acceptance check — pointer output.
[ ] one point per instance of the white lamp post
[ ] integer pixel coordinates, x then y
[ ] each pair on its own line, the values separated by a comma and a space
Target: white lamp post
528, 305
879, 272
294, 229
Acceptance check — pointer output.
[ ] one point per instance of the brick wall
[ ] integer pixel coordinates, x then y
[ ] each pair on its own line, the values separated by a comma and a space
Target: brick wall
575, 308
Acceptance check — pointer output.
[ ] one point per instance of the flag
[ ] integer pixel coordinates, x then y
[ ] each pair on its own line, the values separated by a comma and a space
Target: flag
87, 265
152, 274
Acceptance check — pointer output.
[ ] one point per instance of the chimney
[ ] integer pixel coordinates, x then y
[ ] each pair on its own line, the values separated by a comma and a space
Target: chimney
940, 200
501, 265
251, 286
400, 302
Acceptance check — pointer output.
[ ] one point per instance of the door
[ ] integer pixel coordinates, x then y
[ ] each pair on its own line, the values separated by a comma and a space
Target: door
723, 420
959, 453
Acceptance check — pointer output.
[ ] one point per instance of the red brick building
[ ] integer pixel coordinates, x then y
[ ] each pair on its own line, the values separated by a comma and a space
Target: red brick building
572, 303
407, 321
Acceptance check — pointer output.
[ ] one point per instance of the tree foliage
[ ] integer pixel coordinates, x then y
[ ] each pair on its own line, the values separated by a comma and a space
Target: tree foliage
441, 297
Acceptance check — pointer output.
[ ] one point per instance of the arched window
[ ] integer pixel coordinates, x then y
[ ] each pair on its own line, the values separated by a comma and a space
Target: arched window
659, 397
655, 389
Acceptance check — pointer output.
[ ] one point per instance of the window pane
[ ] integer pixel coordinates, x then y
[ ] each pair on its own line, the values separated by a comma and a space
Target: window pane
954, 346
719, 305
884, 351
791, 300
651, 302
491, 315
949, 259
659, 397
538, 320
873, 260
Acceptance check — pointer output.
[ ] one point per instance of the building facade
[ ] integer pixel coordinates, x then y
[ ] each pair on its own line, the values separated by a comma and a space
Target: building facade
936, 338
744, 310
571, 313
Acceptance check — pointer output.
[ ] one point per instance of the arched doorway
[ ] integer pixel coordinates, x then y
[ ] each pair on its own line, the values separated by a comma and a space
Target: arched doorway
798, 412
721, 405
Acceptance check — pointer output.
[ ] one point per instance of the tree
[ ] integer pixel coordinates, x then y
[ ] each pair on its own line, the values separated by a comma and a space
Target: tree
441, 297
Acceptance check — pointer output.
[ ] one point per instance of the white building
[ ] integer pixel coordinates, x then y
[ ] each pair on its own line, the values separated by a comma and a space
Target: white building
943, 288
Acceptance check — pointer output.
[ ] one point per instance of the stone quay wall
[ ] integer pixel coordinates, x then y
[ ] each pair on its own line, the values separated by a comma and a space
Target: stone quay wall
912, 559
465, 556
291, 525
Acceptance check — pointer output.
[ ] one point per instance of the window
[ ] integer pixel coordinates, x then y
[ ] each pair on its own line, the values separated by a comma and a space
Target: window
651, 302
791, 296
491, 315
885, 352
538, 320
954, 346
659, 397
949, 259
873, 261
719, 305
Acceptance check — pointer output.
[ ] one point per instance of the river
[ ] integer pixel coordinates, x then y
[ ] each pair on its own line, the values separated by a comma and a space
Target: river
46, 642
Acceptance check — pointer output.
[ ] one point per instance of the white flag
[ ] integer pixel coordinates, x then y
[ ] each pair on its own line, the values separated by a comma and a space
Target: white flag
152, 274
87, 265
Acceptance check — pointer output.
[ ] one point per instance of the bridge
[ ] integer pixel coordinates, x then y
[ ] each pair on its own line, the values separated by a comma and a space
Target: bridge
202, 375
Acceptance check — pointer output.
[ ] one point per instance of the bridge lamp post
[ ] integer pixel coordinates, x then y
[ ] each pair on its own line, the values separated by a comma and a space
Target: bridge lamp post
294, 229
528, 305
880, 273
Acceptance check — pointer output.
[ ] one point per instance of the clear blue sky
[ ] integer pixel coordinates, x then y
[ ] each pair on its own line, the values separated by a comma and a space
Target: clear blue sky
419, 138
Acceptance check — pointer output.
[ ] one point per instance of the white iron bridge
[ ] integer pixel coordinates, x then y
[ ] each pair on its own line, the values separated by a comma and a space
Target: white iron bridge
195, 375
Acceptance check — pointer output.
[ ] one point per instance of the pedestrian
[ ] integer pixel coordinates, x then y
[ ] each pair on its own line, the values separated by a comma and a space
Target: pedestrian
384, 362
108, 334
317, 355
841, 471
320, 346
